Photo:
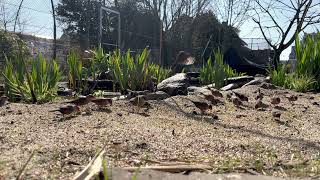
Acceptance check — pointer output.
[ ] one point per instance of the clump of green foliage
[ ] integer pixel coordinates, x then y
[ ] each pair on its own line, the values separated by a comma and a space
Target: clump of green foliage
135, 73
306, 75
75, 70
158, 73
33, 81
217, 72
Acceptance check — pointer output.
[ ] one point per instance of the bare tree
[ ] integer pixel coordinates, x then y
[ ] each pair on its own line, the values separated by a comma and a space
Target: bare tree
17, 16
284, 20
6, 18
233, 12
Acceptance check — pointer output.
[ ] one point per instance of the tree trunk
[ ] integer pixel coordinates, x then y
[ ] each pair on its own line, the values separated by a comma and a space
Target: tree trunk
276, 59
54, 32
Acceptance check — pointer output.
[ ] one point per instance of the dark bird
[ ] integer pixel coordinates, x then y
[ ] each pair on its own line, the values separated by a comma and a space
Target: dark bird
229, 95
258, 104
3, 100
276, 114
67, 109
275, 100
211, 98
242, 97
236, 101
203, 106
292, 98
216, 93
102, 101
259, 95
138, 101
82, 100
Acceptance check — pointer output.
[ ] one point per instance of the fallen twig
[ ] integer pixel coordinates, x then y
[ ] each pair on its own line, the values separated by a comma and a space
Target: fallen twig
93, 168
25, 166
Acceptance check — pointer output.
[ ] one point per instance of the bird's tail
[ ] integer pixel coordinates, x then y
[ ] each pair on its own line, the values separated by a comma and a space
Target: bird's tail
56, 110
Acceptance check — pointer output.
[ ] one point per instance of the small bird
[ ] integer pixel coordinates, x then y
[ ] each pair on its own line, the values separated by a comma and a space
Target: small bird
3, 100
276, 114
216, 93
229, 95
203, 106
259, 95
138, 101
236, 101
82, 100
67, 109
292, 98
242, 97
258, 104
275, 100
102, 101
211, 98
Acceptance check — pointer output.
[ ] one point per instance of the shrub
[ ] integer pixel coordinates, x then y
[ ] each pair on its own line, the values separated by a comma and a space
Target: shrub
131, 73
300, 83
158, 73
279, 76
39, 84
217, 72
75, 70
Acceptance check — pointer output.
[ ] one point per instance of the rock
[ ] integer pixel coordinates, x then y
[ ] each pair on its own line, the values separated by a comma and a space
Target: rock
64, 85
256, 81
105, 75
175, 85
159, 95
198, 90
111, 94
194, 81
100, 84
240, 81
193, 74
65, 92
137, 93
268, 86
230, 87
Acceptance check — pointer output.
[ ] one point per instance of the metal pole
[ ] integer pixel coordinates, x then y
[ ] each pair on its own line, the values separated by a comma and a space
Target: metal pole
119, 31
100, 27
54, 32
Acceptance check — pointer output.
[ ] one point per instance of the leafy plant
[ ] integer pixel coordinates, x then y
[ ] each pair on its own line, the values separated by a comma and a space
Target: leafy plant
75, 70
300, 83
37, 85
278, 77
158, 73
308, 57
131, 73
217, 72
100, 60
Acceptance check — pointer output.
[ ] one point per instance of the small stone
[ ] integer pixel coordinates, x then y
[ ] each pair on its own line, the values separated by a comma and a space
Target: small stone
120, 114
315, 104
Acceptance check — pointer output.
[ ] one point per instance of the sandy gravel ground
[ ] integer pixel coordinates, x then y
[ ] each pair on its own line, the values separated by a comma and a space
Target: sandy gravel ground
170, 131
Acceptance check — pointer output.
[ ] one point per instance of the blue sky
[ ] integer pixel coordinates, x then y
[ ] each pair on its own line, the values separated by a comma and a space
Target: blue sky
38, 21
